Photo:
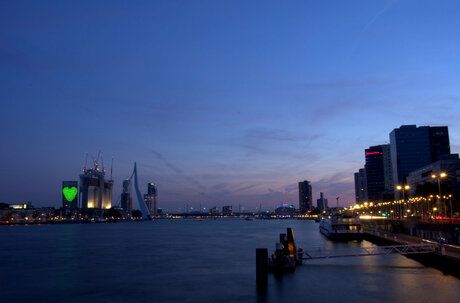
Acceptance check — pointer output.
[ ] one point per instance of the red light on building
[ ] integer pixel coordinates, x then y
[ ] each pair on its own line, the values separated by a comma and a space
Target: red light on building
373, 153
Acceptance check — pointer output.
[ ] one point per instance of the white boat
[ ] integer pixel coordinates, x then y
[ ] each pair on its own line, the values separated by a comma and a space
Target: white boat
98, 220
341, 227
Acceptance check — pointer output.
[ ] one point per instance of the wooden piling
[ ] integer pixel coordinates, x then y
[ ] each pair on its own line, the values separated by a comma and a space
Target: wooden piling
262, 268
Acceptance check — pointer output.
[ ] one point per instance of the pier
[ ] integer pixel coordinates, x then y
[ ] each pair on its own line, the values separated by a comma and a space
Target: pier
421, 248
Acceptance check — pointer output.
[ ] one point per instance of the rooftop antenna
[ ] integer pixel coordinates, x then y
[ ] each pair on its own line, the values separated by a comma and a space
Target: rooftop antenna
86, 160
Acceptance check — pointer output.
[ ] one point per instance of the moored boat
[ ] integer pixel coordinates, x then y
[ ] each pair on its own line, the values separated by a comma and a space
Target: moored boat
341, 227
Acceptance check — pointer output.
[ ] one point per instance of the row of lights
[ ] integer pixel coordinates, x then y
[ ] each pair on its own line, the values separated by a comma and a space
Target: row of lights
404, 189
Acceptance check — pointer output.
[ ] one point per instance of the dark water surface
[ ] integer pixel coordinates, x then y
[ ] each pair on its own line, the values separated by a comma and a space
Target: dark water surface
197, 261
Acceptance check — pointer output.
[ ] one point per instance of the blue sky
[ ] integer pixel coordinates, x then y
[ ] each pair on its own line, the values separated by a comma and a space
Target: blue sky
219, 102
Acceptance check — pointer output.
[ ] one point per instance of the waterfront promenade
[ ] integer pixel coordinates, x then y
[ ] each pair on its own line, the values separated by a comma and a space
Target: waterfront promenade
449, 250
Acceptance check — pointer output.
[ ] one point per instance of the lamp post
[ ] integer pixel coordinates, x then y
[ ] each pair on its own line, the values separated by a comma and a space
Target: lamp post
402, 188
439, 177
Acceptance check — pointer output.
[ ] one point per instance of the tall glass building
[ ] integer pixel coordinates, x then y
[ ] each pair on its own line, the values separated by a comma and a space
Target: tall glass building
361, 186
379, 173
413, 147
305, 196
151, 198
126, 199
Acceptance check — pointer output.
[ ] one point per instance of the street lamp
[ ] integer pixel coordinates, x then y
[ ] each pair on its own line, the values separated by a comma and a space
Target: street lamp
439, 177
403, 188
450, 204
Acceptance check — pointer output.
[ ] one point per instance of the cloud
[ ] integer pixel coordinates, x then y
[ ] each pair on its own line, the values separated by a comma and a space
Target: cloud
241, 189
272, 191
219, 186
290, 188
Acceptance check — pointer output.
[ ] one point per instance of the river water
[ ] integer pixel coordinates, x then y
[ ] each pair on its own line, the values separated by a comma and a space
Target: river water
188, 260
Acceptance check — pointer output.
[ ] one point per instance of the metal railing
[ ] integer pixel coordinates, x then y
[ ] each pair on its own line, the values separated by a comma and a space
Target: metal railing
319, 253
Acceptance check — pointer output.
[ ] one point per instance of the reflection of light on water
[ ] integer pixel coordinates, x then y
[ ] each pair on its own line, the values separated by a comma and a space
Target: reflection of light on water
197, 261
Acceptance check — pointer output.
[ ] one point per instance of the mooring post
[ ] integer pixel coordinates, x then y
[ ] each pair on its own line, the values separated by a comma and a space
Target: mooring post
262, 268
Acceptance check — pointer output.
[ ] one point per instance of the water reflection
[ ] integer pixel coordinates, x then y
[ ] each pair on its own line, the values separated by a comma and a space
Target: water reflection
198, 261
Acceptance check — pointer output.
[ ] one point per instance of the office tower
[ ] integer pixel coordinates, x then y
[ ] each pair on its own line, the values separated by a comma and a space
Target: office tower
126, 200
379, 174
321, 203
70, 194
413, 147
95, 190
361, 186
305, 196
439, 142
151, 198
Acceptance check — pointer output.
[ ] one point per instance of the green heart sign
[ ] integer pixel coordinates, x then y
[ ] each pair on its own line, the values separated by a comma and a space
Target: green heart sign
70, 193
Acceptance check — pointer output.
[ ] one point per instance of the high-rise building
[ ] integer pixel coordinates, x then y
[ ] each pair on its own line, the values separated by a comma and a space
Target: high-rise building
413, 147
70, 194
126, 200
379, 174
361, 186
305, 196
150, 198
321, 203
95, 190
439, 142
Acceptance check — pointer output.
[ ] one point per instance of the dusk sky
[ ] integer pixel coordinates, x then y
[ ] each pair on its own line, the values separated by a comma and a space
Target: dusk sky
219, 102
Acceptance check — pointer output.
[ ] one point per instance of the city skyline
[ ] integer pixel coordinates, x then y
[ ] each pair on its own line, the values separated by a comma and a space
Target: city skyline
222, 104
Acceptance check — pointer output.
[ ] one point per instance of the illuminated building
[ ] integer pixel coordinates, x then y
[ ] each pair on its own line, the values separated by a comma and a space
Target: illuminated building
150, 198
361, 186
227, 210
285, 210
126, 199
379, 173
321, 203
26, 205
305, 196
214, 211
70, 194
152, 192
95, 190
